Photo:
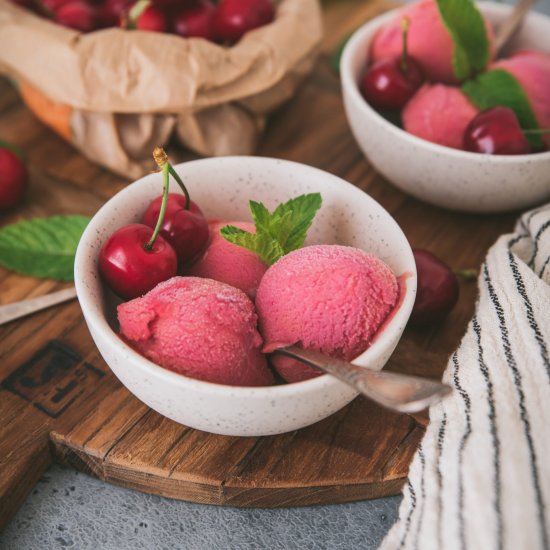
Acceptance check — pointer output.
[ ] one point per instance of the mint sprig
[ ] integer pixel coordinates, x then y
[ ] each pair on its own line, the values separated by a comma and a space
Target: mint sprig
42, 247
499, 87
277, 233
467, 28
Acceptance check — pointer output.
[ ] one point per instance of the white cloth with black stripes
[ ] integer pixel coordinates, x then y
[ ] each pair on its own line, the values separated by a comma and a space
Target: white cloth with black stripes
481, 476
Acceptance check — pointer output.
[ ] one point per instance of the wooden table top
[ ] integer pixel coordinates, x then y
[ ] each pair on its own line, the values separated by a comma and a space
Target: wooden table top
311, 129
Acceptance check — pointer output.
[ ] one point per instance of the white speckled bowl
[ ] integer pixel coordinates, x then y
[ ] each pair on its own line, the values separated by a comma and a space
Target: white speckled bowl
440, 175
222, 187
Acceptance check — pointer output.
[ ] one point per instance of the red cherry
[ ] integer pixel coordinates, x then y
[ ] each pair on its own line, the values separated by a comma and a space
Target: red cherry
77, 15
13, 179
235, 17
129, 268
111, 11
152, 19
437, 291
496, 131
186, 230
198, 22
176, 201
386, 85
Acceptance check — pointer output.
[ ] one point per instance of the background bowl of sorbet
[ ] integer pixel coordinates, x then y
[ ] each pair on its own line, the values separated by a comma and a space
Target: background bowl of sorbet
445, 177
222, 188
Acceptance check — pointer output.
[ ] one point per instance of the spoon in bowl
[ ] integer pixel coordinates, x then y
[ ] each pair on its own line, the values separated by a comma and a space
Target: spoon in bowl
400, 392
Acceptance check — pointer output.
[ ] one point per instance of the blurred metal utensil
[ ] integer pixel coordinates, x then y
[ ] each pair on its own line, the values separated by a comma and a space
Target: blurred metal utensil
400, 392
512, 24
10, 312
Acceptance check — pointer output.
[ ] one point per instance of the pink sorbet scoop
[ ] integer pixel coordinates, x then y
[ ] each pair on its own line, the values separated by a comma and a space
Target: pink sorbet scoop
226, 262
327, 298
439, 114
201, 328
532, 70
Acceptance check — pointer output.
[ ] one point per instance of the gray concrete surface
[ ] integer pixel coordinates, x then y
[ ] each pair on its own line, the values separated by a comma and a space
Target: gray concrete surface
70, 510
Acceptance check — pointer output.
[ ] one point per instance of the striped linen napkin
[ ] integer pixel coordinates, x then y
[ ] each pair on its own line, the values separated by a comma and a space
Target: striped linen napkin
481, 476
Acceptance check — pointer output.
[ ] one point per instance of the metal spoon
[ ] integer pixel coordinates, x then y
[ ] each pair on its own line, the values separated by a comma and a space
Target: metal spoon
400, 392
10, 312
512, 23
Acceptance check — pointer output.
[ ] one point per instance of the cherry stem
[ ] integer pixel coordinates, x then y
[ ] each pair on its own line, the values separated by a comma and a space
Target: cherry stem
182, 186
161, 158
134, 14
466, 274
166, 186
405, 22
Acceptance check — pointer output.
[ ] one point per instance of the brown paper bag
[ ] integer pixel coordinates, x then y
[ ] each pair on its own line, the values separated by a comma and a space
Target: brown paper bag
116, 94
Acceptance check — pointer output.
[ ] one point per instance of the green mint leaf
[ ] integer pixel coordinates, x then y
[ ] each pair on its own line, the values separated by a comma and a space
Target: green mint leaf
260, 216
278, 233
240, 237
499, 87
296, 218
467, 29
267, 248
42, 247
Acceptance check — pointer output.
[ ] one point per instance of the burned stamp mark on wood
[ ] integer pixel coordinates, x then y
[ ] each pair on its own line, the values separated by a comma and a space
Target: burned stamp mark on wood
53, 378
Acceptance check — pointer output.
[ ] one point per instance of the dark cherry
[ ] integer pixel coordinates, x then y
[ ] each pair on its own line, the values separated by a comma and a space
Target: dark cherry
197, 22
129, 268
13, 179
23, 3
437, 291
78, 15
388, 85
235, 17
175, 4
111, 12
49, 7
186, 230
496, 131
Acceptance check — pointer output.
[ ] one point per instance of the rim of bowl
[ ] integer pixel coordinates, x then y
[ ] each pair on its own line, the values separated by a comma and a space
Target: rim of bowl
350, 85
100, 324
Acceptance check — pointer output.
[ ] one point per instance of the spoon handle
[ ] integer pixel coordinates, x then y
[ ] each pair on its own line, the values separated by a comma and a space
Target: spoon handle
400, 392
512, 23
10, 312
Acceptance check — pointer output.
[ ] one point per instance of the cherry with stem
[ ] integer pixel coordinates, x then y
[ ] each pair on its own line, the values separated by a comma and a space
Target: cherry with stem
136, 258
184, 225
392, 81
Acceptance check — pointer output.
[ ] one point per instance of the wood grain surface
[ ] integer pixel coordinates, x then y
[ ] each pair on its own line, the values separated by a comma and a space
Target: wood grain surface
59, 400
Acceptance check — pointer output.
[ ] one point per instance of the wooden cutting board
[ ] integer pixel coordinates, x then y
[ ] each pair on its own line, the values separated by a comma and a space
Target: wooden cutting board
59, 400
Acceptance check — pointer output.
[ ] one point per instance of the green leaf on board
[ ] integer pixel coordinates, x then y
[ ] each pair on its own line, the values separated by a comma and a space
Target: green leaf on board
277, 233
499, 87
467, 28
42, 247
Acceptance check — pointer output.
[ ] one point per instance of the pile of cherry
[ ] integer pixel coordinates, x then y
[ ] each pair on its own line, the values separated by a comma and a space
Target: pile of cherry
224, 21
